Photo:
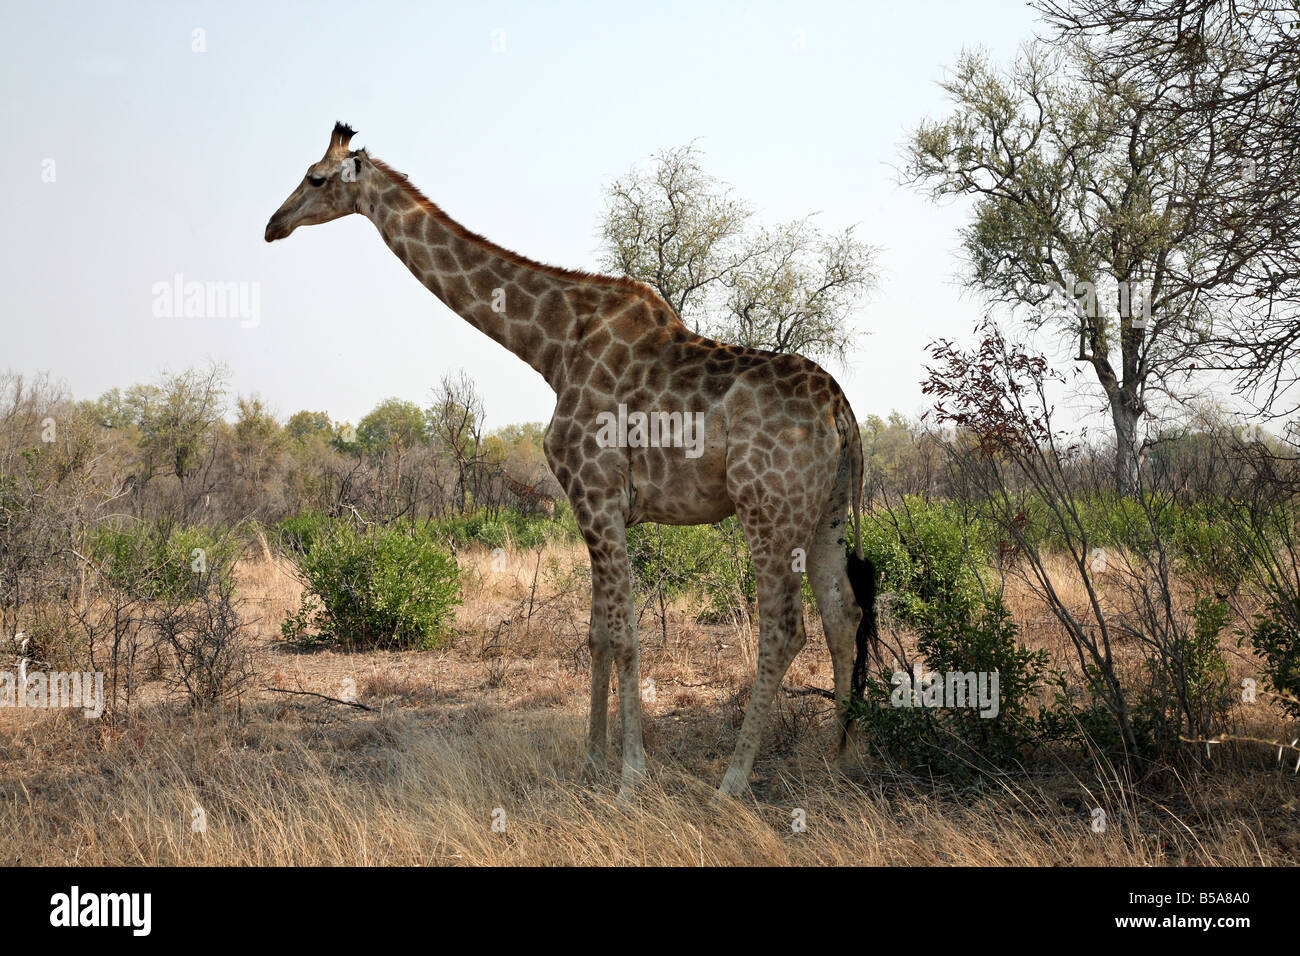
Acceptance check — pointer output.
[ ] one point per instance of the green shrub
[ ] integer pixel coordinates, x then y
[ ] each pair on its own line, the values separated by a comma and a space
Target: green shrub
728, 582
960, 739
929, 555
161, 560
298, 533
1275, 636
504, 529
1197, 534
1187, 691
712, 562
383, 587
508, 528
670, 559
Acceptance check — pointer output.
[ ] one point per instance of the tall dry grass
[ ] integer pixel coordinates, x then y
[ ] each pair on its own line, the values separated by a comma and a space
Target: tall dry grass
285, 787
490, 729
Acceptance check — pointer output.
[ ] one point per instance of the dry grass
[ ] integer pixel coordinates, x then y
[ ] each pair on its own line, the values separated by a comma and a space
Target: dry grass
297, 785
490, 729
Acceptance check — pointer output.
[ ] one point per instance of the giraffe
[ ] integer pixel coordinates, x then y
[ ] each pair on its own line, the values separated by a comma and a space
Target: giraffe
778, 444
530, 498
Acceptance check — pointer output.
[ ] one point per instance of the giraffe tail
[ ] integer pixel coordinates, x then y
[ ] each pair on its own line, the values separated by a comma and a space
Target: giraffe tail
862, 578
861, 571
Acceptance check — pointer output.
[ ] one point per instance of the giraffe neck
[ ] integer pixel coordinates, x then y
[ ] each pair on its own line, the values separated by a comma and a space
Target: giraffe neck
520, 304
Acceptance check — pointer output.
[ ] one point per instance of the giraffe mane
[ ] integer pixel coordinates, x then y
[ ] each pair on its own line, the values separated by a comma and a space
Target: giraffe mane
402, 181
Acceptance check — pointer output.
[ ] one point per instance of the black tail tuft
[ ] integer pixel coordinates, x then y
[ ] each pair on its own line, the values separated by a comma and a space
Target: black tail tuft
862, 576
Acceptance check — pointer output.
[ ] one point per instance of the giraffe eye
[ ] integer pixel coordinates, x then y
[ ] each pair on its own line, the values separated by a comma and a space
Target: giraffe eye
316, 180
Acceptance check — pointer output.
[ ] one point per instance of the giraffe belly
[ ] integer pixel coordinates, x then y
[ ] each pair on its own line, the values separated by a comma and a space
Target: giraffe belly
669, 488
698, 511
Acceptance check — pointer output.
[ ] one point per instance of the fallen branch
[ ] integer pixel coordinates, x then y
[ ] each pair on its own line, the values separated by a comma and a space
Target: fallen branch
682, 683
809, 692
312, 693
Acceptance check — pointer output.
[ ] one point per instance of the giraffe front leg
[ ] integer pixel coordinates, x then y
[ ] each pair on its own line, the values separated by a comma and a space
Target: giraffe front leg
598, 642
624, 643
613, 641
614, 578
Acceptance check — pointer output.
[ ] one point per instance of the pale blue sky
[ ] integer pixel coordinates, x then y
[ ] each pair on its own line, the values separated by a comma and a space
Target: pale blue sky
170, 161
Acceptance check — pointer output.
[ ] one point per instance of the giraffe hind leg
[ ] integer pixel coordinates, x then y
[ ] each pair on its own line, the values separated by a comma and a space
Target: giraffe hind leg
781, 635
781, 631
828, 575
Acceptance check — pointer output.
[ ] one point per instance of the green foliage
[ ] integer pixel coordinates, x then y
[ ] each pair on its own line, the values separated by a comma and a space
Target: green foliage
1199, 671
1195, 533
255, 424
1187, 690
929, 554
710, 561
1198, 652
298, 533
889, 446
161, 560
520, 444
507, 528
1275, 636
383, 587
957, 639
669, 559
393, 425
304, 426
172, 418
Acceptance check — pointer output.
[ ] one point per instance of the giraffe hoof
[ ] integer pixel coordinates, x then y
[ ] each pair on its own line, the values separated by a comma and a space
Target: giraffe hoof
593, 768
628, 791
733, 785
633, 779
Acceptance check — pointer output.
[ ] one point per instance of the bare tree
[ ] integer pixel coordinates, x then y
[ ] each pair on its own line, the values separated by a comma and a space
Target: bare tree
674, 227
173, 425
797, 292
52, 483
788, 289
456, 423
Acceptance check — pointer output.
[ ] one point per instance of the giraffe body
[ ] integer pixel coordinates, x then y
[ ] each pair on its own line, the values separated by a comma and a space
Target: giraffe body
530, 498
780, 446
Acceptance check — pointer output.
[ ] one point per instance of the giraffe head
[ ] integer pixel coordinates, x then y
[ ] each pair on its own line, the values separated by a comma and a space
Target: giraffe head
331, 188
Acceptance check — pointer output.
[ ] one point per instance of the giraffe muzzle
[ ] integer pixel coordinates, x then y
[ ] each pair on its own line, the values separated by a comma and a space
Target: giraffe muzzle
276, 230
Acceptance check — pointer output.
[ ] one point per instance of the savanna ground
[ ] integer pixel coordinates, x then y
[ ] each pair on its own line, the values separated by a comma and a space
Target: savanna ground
471, 754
